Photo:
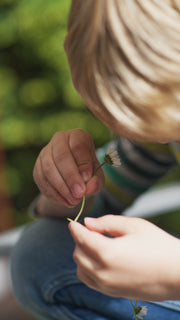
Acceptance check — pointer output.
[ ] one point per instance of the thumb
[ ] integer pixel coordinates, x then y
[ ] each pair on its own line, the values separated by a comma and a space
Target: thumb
96, 183
113, 225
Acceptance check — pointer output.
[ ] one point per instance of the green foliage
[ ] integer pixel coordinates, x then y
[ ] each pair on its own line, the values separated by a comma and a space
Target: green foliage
36, 90
36, 93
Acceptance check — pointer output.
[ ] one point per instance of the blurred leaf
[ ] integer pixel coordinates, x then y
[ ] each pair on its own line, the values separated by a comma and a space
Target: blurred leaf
36, 92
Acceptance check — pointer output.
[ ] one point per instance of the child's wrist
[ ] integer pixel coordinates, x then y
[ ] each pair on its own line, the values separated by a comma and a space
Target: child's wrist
44, 207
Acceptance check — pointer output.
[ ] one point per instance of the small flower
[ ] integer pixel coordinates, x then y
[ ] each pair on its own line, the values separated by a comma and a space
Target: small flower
112, 158
140, 312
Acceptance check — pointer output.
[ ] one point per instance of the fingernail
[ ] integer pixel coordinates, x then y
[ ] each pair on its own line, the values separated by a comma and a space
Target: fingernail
86, 176
78, 190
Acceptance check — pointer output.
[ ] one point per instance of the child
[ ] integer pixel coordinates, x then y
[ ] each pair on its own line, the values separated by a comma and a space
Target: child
125, 62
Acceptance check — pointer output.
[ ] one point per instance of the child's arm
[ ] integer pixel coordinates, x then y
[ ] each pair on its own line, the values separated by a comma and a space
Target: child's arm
139, 261
42, 206
64, 172
142, 165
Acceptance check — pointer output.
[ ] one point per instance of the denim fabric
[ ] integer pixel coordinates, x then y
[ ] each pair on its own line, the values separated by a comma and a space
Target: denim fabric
45, 283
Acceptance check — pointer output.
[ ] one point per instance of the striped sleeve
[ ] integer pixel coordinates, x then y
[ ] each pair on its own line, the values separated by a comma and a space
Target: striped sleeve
142, 165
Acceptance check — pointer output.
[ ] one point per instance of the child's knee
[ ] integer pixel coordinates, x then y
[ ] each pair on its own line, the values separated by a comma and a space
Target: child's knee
23, 280
41, 258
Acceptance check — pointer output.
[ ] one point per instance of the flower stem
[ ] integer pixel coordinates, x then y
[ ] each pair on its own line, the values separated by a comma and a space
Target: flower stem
102, 164
81, 210
134, 306
83, 200
131, 303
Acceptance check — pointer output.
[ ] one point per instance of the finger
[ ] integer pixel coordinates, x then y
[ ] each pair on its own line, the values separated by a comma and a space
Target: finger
113, 225
66, 165
86, 267
83, 150
86, 278
53, 177
82, 147
46, 188
83, 260
92, 243
96, 183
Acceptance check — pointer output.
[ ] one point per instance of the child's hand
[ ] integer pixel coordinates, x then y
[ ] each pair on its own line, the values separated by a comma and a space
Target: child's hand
64, 170
141, 261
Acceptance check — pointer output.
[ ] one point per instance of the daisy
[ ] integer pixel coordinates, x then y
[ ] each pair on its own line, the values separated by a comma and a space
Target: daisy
140, 312
112, 158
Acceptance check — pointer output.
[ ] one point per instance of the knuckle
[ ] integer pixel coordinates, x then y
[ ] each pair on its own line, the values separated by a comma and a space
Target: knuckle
83, 136
81, 132
47, 168
105, 219
71, 178
57, 135
102, 278
75, 257
60, 156
105, 258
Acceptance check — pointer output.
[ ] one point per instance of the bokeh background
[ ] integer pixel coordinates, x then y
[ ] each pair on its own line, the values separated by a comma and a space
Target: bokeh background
37, 99
36, 95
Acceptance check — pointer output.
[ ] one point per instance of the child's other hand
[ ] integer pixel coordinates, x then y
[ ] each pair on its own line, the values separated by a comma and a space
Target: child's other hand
64, 170
139, 261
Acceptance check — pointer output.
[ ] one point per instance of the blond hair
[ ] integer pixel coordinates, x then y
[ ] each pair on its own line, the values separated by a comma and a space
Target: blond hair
124, 58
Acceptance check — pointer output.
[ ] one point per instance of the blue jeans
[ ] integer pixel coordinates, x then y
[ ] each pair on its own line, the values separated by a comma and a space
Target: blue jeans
45, 283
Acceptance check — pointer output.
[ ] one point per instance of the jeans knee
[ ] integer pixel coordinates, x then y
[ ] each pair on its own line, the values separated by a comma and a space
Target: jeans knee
23, 282
42, 255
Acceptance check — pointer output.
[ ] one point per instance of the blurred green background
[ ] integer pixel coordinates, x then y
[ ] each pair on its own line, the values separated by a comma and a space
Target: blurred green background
36, 93
37, 97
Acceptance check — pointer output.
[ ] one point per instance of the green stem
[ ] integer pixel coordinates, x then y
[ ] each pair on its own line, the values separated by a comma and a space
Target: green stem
134, 306
102, 164
81, 210
83, 200
131, 303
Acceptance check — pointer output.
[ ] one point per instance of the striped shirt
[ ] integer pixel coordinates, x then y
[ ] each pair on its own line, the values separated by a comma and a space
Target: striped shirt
143, 164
